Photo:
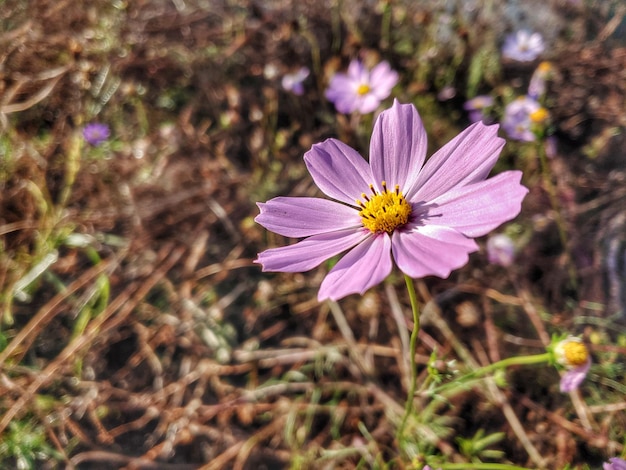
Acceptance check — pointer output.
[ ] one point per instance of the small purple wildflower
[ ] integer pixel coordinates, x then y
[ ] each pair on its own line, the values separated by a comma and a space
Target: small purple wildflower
95, 133
500, 250
615, 463
523, 46
572, 379
360, 89
520, 115
551, 147
294, 82
476, 106
421, 214
572, 354
447, 93
538, 81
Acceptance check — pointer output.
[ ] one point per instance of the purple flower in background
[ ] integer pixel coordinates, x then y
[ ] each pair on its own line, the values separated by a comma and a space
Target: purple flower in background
476, 106
293, 82
538, 81
551, 147
423, 216
615, 464
523, 46
500, 250
519, 117
96, 133
361, 89
574, 356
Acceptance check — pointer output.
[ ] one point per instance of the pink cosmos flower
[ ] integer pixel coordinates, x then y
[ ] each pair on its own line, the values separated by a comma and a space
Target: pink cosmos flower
360, 89
421, 215
572, 353
615, 464
572, 379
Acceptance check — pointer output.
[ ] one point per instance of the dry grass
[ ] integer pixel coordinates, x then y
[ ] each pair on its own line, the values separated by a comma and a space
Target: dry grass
136, 331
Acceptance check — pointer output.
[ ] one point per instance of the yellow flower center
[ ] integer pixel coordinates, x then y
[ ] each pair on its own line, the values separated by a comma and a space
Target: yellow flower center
384, 211
539, 116
575, 353
363, 89
544, 67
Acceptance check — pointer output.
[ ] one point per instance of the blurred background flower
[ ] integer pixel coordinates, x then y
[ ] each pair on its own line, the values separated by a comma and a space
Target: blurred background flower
96, 133
294, 82
615, 464
572, 354
476, 108
500, 250
518, 118
523, 46
361, 89
539, 79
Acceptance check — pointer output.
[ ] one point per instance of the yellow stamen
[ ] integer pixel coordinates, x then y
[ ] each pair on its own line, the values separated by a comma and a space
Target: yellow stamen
571, 352
575, 353
363, 89
384, 211
544, 67
541, 115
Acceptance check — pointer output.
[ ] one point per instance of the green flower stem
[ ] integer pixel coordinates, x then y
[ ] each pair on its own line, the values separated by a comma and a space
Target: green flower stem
480, 466
408, 409
556, 207
482, 371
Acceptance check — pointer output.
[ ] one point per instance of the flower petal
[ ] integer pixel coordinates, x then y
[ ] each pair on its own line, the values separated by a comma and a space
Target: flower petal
466, 159
348, 103
338, 170
615, 464
478, 208
339, 85
305, 216
383, 79
398, 146
572, 379
357, 72
366, 265
367, 103
431, 250
310, 252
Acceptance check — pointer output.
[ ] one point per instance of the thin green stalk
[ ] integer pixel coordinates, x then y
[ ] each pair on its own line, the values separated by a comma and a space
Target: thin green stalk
556, 207
408, 409
482, 371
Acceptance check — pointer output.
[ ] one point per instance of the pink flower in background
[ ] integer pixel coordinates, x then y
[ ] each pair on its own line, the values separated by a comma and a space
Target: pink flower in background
523, 46
539, 80
96, 133
476, 106
422, 215
519, 117
294, 82
572, 354
500, 250
615, 464
361, 89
